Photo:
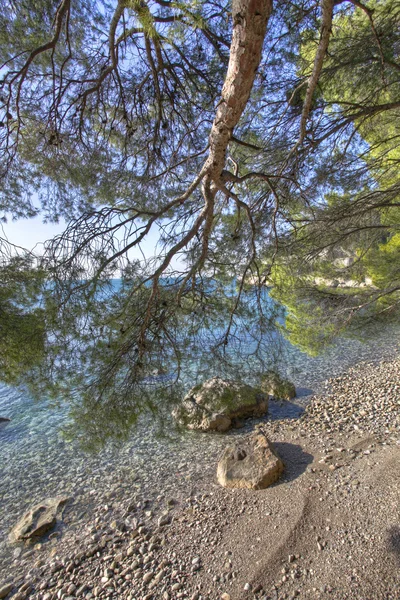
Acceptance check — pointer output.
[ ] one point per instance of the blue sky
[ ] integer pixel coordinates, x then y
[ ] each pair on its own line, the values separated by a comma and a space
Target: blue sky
32, 233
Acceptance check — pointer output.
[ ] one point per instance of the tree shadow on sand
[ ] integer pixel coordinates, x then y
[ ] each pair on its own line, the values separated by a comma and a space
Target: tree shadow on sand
393, 540
295, 459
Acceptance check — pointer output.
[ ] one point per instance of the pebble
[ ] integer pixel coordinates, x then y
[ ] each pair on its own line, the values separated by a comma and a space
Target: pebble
176, 587
5, 590
364, 399
165, 519
147, 577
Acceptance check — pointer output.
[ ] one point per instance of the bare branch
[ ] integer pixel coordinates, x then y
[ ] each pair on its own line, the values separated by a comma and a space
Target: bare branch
326, 30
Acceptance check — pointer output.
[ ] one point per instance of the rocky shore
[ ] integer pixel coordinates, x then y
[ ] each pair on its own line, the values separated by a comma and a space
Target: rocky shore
330, 528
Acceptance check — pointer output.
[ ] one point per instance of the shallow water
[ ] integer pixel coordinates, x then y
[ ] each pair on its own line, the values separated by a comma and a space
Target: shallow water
37, 462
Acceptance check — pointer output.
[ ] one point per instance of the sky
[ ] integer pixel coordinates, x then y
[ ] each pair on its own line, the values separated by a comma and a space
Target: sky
32, 233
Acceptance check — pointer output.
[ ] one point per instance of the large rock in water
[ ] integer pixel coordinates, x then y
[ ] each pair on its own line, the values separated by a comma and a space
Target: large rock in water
251, 463
216, 404
278, 387
38, 520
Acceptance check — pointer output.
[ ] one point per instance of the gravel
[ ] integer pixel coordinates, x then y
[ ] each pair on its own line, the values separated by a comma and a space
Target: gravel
330, 528
365, 399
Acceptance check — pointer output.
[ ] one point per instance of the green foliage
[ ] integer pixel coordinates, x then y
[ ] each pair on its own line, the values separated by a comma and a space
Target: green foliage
109, 127
342, 268
22, 321
308, 323
382, 263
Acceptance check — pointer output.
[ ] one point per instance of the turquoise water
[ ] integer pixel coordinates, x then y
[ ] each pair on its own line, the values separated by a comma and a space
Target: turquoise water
37, 462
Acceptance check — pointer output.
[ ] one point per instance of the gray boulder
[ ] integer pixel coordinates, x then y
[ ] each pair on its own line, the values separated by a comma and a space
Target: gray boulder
218, 404
38, 520
274, 385
252, 463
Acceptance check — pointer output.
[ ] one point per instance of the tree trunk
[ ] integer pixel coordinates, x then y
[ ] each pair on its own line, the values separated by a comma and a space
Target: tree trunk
250, 18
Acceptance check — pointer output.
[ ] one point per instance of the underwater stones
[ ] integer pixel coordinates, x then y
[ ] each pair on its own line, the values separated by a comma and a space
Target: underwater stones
38, 520
251, 463
4, 420
274, 385
216, 404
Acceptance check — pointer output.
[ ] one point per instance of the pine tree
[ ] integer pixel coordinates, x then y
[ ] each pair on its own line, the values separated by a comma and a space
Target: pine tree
257, 140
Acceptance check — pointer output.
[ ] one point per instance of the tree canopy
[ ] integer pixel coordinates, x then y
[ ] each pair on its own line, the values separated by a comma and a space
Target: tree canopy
258, 140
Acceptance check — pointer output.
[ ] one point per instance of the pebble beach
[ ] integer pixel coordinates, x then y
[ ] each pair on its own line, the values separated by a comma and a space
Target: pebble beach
160, 527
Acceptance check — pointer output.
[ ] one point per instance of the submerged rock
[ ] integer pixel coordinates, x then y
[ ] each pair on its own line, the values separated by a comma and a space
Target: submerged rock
251, 463
278, 387
38, 520
4, 420
217, 404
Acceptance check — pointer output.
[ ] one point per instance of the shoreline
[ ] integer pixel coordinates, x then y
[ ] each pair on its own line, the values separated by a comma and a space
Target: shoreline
330, 528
